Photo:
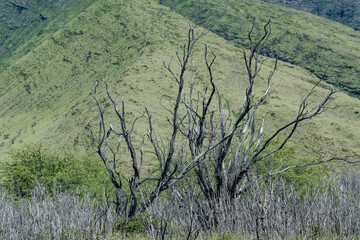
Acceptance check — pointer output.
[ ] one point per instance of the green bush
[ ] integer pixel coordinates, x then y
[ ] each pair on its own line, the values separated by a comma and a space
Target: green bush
67, 170
135, 225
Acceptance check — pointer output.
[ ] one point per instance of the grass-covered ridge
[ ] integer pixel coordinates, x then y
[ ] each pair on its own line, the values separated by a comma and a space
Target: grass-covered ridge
45, 95
299, 38
25, 24
345, 11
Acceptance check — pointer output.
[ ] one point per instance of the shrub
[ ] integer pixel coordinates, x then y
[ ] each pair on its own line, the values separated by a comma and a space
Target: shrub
136, 225
35, 163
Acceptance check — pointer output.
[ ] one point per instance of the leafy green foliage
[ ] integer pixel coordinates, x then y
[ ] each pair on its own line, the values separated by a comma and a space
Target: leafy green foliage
35, 164
135, 226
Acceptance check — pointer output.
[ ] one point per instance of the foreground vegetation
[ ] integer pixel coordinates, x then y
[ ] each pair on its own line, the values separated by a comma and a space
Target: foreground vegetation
71, 171
276, 210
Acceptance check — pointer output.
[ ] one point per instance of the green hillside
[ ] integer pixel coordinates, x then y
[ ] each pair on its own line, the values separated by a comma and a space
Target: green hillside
299, 38
27, 23
45, 95
344, 11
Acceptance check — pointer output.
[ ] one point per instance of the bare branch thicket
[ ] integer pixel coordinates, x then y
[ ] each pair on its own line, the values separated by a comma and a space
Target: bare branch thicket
210, 136
55, 215
327, 210
167, 176
203, 131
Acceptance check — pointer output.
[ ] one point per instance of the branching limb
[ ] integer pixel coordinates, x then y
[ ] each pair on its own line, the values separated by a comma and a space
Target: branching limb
308, 164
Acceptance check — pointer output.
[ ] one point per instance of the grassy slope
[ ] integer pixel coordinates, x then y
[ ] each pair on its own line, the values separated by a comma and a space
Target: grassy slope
299, 38
44, 96
345, 11
21, 31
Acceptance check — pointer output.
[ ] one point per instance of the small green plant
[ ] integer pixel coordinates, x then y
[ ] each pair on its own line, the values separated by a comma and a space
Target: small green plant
134, 226
316, 230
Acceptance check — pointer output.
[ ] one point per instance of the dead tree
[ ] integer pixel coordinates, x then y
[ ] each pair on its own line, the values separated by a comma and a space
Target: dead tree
206, 136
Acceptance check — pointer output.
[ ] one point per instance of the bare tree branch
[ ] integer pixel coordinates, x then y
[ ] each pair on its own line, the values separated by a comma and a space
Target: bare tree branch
221, 146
